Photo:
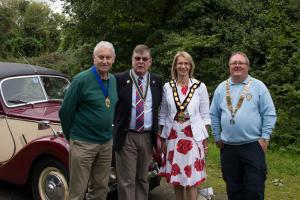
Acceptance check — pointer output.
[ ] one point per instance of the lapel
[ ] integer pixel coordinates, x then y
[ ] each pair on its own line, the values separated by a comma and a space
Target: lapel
153, 86
128, 89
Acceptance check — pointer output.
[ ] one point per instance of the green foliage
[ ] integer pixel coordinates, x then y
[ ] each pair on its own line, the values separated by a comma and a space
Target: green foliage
29, 28
267, 31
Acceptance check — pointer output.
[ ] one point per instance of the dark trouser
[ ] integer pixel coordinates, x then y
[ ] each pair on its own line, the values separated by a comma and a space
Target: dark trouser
244, 171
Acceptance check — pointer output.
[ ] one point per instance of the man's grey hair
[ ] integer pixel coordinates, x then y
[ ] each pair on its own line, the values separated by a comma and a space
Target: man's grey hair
105, 44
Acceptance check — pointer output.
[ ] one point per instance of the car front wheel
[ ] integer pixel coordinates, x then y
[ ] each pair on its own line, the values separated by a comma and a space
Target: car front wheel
49, 180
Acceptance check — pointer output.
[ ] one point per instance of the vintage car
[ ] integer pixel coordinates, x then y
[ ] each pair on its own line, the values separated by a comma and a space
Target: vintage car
33, 149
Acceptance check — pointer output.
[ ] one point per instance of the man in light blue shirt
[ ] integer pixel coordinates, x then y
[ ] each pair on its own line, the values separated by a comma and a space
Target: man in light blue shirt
242, 118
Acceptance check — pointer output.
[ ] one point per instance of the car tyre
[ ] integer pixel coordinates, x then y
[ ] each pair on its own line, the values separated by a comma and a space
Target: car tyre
49, 180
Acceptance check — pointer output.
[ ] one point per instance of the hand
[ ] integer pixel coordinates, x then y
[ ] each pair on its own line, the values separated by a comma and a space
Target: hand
163, 149
158, 143
264, 144
159, 131
205, 145
220, 144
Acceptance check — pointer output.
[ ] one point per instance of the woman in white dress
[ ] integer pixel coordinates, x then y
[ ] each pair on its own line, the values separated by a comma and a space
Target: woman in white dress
184, 121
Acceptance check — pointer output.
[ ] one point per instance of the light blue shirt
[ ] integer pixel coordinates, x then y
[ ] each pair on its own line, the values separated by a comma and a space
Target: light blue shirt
254, 120
147, 104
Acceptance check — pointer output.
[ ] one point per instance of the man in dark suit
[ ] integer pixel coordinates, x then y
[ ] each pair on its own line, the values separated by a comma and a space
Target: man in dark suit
136, 124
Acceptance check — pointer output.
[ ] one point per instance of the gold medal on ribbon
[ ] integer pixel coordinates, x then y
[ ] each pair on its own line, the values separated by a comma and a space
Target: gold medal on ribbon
107, 102
181, 117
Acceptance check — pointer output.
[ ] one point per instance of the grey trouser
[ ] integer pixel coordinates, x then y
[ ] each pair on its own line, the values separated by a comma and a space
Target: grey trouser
132, 166
89, 164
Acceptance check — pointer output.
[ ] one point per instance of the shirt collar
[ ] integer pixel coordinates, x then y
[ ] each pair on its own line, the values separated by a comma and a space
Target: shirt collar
244, 82
136, 76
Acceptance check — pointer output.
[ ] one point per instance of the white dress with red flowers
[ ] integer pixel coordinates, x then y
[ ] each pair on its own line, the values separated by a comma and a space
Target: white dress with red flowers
184, 162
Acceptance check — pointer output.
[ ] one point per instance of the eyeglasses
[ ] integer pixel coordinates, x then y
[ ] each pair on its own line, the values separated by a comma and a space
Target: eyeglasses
144, 59
183, 63
238, 63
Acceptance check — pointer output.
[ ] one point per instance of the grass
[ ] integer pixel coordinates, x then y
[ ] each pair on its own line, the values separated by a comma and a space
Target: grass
283, 177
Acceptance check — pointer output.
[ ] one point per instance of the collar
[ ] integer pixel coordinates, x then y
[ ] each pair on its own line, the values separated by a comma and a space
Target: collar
136, 76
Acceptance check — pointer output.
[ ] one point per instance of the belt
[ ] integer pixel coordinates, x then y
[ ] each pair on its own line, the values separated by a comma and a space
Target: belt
135, 131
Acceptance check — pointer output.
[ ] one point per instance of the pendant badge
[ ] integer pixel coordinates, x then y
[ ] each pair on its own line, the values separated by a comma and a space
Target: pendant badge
107, 102
232, 122
181, 117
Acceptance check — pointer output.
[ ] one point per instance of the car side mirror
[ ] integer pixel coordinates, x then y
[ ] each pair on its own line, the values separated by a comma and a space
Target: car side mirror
42, 125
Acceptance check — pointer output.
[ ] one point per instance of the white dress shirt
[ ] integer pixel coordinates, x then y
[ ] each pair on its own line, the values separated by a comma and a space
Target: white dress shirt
147, 104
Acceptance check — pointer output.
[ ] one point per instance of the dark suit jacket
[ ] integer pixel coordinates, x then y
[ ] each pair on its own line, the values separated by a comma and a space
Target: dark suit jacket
123, 107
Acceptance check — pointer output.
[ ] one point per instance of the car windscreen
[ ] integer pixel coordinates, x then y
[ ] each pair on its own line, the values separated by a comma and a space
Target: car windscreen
30, 89
20, 90
55, 87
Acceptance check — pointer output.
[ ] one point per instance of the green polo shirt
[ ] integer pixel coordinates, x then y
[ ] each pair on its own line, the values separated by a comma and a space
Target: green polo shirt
83, 114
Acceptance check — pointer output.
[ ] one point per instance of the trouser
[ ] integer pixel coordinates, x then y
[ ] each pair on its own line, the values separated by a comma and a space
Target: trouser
244, 171
132, 166
89, 170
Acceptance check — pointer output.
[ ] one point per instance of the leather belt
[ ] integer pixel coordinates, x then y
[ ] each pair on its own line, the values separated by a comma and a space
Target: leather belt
134, 131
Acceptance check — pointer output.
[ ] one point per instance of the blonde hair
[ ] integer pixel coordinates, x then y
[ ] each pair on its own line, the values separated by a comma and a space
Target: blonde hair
187, 56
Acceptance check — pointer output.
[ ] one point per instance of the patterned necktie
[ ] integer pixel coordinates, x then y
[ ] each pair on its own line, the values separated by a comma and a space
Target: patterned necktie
139, 107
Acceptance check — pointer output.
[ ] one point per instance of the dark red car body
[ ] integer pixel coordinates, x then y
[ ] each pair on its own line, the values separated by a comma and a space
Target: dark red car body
30, 98
25, 149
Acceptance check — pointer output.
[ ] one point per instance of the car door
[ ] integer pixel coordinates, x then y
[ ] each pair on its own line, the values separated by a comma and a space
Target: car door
7, 143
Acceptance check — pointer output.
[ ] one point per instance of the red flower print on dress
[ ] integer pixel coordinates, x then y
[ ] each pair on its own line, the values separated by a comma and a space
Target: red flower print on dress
188, 170
175, 183
188, 131
199, 165
170, 156
175, 170
199, 182
183, 146
173, 134
168, 177
184, 89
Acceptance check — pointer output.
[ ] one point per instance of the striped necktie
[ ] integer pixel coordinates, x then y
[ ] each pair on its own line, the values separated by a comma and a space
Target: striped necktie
139, 107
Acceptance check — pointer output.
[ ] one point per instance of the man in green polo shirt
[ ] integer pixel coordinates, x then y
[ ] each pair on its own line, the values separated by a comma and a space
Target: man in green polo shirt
86, 117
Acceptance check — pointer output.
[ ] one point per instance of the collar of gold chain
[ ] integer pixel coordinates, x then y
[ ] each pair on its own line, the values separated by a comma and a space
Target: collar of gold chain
241, 99
182, 106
